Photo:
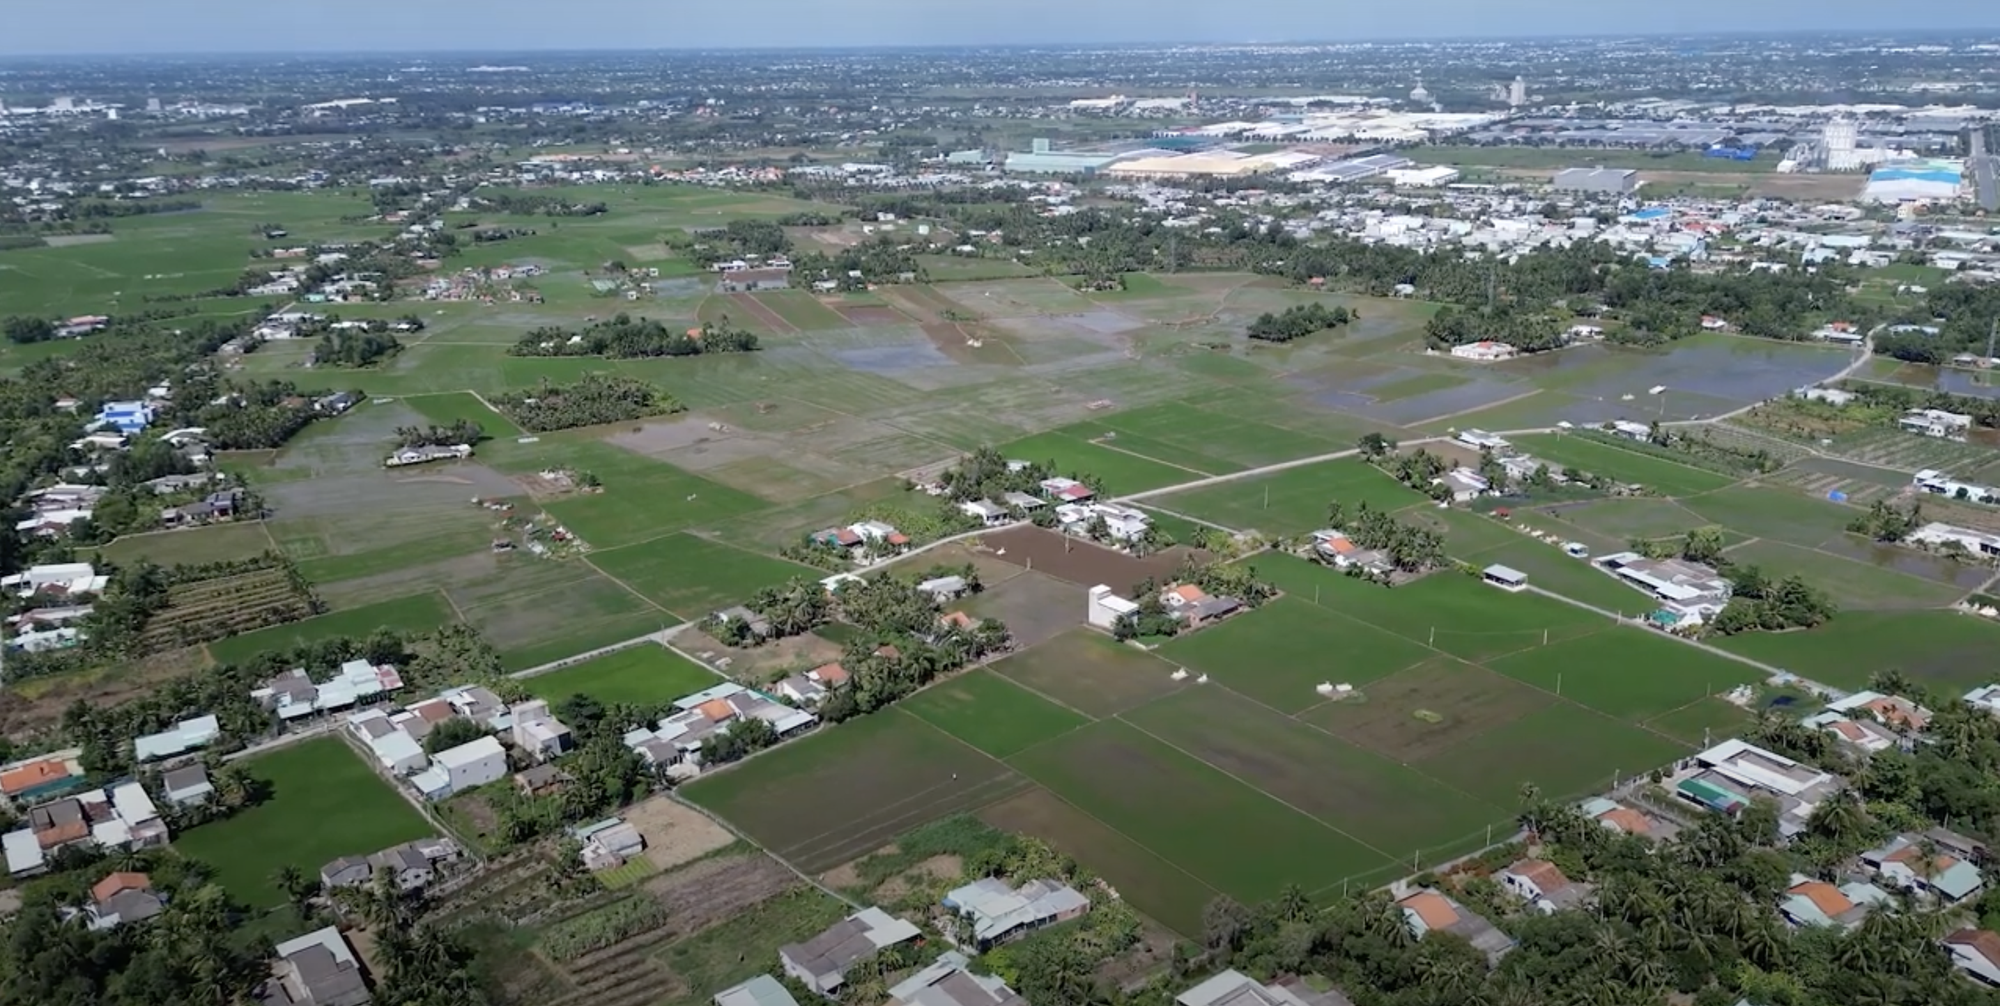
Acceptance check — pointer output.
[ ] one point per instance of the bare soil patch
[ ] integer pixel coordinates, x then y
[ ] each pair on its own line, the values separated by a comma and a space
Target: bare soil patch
863, 314
675, 833
659, 436
648, 253
759, 664
705, 893
1080, 562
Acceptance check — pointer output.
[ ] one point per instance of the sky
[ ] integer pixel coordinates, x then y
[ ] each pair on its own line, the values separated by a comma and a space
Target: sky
61, 27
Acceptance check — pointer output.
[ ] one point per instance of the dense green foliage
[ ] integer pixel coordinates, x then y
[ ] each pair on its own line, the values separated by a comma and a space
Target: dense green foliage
623, 337
354, 348
593, 400
1297, 322
1758, 603
1963, 315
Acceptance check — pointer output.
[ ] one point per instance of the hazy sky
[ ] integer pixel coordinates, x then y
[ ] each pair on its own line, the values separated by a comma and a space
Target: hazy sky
51, 27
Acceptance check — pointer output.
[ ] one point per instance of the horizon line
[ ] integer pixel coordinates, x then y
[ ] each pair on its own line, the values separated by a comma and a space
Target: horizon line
1049, 44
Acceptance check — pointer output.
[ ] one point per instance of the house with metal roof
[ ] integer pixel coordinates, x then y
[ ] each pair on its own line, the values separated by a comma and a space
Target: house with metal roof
185, 736
1904, 863
1811, 902
1726, 777
946, 982
762, 990
822, 962
995, 911
1430, 911
1234, 988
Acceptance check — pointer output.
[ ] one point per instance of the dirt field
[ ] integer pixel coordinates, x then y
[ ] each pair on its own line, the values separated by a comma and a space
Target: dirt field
1078, 561
1035, 607
770, 319
674, 833
1469, 700
757, 665
712, 890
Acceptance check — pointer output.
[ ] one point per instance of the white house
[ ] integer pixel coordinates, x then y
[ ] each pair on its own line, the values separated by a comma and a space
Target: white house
1484, 351
986, 512
1540, 883
65, 578
1482, 440
185, 736
1936, 423
455, 770
1464, 483
1940, 535
538, 732
1938, 483
1107, 607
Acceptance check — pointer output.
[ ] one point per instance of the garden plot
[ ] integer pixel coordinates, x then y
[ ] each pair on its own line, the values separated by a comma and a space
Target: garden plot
1907, 452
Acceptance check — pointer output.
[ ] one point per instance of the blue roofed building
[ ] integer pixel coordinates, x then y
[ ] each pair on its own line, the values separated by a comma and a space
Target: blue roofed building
126, 417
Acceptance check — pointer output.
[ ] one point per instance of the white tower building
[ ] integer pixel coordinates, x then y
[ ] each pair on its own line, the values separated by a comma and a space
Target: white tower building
1517, 94
1418, 94
1840, 137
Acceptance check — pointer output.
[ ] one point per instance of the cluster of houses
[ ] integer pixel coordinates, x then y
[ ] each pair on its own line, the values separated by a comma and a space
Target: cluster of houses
866, 542
973, 918
674, 744
395, 738
122, 816
1193, 606
414, 865
426, 454
1492, 351
1077, 510
1688, 593
59, 595
485, 285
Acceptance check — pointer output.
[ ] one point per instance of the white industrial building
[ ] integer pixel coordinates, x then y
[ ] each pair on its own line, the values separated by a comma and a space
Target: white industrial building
1939, 534
1938, 483
1936, 423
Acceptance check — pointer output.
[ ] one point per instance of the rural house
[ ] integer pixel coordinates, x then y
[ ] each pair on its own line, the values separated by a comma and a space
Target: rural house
537, 731
1234, 988
809, 688
1688, 593
1337, 548
122, 817
992, 911
1617, 817
1428, 911
1938, 483
756, 625
397, 749
42, 777
293, 695
1977, 953
1464, 484
425, 455
1062, 490
986, 512
1811, 902
1936, 423
120, 898
185, 736
944, 588
1543, 885
1196, 607
1105, 607
541, 780
679, 737
607, 844
753, 280
455, 770
317, 969
1904, 863
762, 990
187, 786
1864, 735
1725, 777
1895, 711
946, 982
822, 962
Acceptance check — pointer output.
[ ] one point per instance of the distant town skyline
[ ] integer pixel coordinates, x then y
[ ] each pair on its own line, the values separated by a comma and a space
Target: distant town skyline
49, 27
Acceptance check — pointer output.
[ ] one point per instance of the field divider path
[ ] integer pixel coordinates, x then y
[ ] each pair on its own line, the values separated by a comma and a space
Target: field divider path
1254, 788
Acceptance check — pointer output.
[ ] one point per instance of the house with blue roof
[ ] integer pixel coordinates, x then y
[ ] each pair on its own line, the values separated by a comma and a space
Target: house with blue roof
128, 418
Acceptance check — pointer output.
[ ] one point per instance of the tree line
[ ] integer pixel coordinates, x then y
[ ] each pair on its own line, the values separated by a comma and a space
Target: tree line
1297, 322
623, 337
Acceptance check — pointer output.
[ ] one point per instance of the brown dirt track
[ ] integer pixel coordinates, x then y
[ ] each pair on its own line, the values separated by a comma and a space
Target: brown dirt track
1078, 561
